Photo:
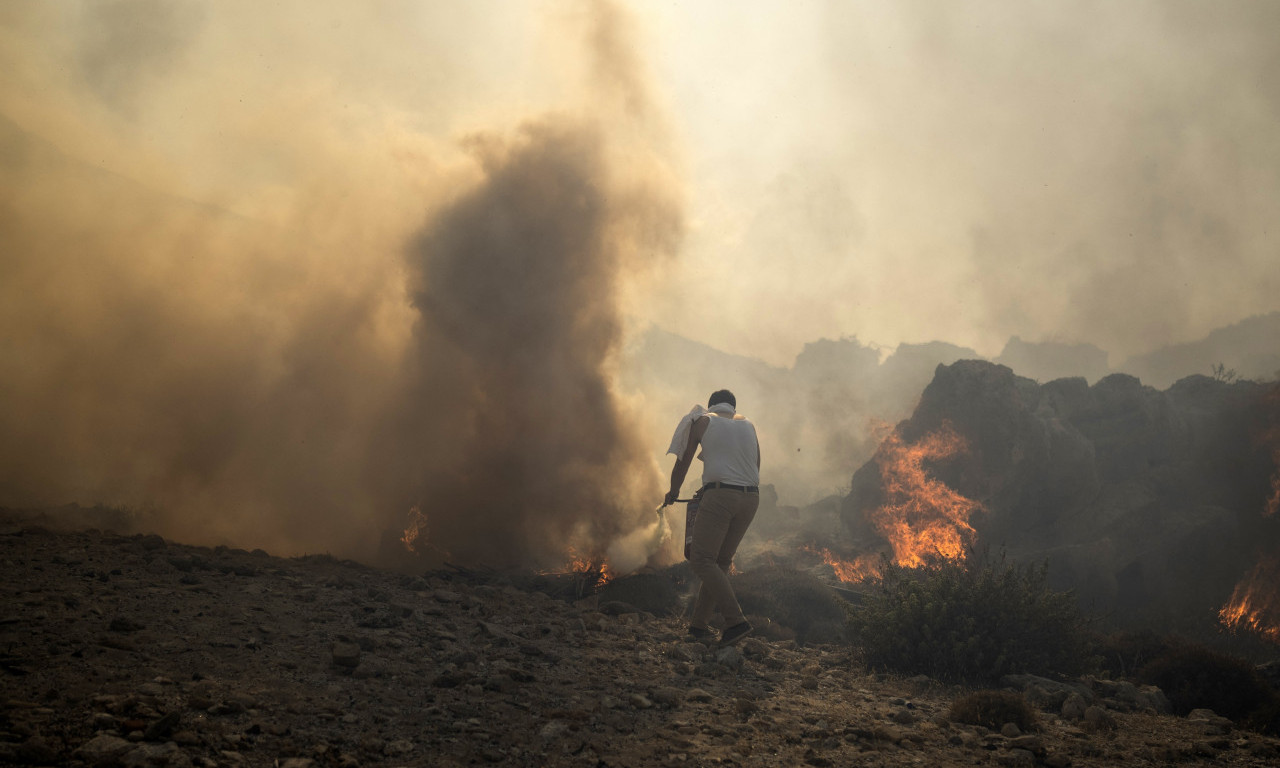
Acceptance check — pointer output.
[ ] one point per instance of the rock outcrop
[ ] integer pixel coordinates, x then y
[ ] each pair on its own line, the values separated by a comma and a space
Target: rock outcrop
1147, 503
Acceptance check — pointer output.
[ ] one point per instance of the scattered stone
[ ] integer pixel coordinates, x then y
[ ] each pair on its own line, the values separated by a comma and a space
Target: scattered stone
639, 701
1074, 707
1099, 719
729, 656
160, 729
149, 755
1019, 758
103, 749
667, 696
346, 655
466, 669
124, 624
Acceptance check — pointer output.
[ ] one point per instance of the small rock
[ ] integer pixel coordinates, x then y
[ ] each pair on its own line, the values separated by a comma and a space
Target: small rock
1010, 731
667, 696
148, 755
296, 762
639, 701
103, 749
1058, 760
346, 655
697, 694
186, 739
161, 728
151, 543
1153, 699
904, 716
398, 747
1074, 706
124, 624
1033, 744
729, 656
1019, 758
1099, 719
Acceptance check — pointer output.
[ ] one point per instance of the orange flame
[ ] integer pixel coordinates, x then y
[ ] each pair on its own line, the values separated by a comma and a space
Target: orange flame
1255, 604
582, 564
415, 529
922, 518
848, 571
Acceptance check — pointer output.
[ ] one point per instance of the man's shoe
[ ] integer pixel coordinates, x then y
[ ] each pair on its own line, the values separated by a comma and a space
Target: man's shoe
700, 634
735, 633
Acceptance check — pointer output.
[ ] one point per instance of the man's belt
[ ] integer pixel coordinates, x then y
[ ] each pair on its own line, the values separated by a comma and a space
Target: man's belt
743, 488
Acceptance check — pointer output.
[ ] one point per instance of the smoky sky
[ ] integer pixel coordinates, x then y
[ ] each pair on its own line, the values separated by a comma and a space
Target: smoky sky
1104, 173
274, 276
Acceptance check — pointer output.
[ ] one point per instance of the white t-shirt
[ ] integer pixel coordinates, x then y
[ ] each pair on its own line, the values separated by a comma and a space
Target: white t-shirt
730, 453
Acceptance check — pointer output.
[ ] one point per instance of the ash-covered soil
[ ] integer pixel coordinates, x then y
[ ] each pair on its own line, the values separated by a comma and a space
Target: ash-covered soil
131, 650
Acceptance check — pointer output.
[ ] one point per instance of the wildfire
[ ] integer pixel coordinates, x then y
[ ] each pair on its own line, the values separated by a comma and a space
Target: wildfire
589, 566
850, 572
1255, 604
922, 518
415, 529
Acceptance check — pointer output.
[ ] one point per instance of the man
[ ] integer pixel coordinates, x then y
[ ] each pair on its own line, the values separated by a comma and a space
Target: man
729, 498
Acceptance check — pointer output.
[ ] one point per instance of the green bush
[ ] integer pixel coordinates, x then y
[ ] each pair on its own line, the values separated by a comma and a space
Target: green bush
970, 621
795, 600
1195, 677
992, 709
1124, 653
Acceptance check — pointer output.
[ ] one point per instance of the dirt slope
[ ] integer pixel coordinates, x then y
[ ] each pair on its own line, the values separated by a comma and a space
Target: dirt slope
137, 651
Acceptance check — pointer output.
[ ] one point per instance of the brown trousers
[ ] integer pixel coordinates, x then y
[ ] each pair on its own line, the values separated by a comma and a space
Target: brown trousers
723, 518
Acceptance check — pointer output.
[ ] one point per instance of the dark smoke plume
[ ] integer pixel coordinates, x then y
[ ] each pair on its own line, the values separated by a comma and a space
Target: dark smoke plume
517, 284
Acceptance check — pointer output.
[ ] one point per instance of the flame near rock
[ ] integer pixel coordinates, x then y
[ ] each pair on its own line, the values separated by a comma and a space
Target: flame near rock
1255, 602
922, 518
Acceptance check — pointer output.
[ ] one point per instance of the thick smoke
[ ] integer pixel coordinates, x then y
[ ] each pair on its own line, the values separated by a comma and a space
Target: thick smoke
371, 316
1091, 172
516, 283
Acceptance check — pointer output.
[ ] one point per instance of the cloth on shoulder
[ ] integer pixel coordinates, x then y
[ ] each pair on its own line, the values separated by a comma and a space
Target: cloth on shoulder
680, 440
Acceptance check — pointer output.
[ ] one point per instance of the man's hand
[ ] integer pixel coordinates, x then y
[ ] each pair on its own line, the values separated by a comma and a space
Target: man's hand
670, 498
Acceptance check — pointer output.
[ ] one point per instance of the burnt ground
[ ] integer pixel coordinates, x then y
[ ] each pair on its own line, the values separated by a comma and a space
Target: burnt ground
132, 650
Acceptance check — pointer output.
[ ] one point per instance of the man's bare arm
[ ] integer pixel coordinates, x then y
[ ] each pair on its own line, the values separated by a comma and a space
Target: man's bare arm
681, 468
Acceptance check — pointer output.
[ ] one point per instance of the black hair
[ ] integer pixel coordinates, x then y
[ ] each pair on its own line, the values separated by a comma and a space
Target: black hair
722, 396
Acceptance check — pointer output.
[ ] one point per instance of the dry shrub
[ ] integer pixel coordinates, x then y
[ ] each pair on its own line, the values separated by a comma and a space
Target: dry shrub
971, 621
1195, 677
1124, 653
992, 709
796, 600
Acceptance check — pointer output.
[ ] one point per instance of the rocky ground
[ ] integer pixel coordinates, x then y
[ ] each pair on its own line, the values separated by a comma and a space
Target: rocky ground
132, 650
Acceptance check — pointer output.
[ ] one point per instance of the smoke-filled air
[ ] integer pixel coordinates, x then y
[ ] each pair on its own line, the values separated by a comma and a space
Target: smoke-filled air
300, 276
436, 280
